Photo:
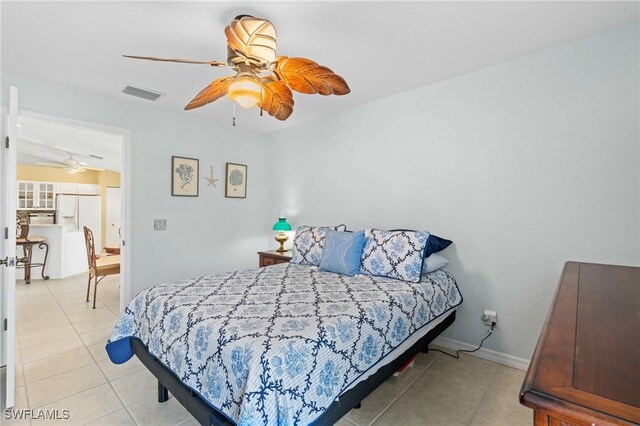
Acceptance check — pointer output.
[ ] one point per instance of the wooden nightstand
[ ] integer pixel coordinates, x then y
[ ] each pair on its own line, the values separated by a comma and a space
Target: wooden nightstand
273, 257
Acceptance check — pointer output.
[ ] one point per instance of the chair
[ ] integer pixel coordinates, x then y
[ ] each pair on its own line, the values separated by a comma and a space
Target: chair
99, 267
23, 240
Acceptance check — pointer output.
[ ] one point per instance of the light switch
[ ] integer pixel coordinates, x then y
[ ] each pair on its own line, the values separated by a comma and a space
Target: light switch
159, 224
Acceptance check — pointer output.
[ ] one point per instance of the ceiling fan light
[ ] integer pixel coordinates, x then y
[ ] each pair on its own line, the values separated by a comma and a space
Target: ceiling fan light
245, 91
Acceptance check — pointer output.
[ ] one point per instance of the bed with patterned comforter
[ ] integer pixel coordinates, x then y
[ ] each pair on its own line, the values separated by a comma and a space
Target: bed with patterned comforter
278, 345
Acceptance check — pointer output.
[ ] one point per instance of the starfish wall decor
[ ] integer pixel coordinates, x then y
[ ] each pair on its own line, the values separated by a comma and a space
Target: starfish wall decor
212, 181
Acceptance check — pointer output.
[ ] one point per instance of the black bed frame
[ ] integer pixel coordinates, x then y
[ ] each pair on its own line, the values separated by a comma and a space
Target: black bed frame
206, 415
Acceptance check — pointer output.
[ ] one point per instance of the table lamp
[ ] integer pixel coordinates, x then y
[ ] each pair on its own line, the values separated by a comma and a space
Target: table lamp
281, 226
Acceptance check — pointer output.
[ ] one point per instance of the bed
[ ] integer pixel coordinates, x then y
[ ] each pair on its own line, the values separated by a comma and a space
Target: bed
284, 344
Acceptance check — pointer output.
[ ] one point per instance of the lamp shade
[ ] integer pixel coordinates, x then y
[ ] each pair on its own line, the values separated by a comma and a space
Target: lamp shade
282, 225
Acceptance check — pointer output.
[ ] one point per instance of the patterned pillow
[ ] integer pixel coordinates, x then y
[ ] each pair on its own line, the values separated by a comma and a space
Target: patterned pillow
309, 242
394, 254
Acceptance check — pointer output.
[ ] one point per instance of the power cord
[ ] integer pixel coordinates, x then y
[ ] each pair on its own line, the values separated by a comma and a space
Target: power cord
457, 354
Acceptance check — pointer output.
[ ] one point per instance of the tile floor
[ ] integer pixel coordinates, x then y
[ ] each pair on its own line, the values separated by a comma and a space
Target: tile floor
62, 364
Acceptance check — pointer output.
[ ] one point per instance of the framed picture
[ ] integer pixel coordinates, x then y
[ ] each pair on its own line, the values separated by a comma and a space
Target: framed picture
185, 175
236, 181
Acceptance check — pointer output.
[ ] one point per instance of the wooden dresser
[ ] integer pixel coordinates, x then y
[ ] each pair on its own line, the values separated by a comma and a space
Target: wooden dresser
586, 366
273, 257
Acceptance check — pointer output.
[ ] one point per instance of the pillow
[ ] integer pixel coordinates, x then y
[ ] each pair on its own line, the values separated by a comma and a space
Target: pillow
342, 252
394, 254
434, 243
308, 243
433, 263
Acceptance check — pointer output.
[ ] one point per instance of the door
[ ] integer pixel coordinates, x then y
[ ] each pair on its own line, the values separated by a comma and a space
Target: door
8, 200
113, 217
46, 196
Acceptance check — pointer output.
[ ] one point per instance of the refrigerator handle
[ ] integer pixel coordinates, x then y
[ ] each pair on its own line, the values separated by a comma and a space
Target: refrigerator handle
78, 215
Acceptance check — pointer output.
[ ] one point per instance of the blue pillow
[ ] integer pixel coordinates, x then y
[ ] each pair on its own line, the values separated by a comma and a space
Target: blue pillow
341, 252
434, 243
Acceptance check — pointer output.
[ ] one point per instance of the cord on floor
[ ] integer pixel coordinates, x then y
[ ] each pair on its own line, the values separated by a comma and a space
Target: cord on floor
457, 354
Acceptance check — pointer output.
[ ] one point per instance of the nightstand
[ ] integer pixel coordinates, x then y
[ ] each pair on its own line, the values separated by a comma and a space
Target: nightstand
273, 257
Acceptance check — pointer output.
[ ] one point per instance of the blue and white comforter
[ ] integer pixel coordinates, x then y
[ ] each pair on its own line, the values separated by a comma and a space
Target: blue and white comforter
278, 345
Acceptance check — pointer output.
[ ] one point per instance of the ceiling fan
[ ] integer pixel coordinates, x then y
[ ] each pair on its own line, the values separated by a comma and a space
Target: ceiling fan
71, 165
261, 78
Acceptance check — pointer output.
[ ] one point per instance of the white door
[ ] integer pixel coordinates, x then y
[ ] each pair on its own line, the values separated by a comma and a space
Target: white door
113, 217
8, 250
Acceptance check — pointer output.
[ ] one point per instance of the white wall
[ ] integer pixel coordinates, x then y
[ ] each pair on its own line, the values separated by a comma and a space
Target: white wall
206, 234
525, 165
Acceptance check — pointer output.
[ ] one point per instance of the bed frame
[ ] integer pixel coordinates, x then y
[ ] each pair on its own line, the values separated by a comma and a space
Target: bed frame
206, 415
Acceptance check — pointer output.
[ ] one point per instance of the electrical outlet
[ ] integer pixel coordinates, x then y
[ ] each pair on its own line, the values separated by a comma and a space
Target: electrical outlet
159, 224
489, 317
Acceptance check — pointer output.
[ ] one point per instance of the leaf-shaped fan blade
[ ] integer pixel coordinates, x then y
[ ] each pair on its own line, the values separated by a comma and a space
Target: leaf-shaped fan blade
214, 91
253, 39
277, 98
305, 76
182, 61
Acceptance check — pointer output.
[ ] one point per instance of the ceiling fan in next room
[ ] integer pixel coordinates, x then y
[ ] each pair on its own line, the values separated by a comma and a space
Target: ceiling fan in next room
261, 78
71, 165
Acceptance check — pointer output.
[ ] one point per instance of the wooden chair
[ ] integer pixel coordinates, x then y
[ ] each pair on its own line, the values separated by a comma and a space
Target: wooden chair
99, 267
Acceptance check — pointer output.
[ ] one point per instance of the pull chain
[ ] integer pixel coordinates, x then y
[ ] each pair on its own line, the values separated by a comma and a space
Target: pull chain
234, 114
260, 97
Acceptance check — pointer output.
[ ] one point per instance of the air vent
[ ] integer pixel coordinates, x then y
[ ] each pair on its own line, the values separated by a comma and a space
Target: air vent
139, 92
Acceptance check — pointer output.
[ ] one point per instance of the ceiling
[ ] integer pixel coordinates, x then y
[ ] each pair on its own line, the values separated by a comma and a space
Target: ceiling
380, 48
47, 142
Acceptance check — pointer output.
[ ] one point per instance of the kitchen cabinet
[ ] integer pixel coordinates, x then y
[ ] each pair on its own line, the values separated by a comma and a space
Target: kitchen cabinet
36, 195
77, 188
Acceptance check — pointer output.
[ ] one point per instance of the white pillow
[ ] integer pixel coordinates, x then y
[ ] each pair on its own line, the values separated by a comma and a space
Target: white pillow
433, 263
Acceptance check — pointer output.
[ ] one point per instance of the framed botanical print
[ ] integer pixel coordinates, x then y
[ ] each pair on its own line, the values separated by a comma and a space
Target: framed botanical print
236, 181
184, 176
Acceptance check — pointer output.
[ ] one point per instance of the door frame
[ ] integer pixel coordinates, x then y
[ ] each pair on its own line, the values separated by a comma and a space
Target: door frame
125, 185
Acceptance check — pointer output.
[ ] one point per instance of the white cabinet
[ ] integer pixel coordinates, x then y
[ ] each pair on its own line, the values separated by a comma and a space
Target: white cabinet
77, 188
88, 189
36, 195
66, 188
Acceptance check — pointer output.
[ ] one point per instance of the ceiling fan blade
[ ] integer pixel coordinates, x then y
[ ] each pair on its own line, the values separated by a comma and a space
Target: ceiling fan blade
50, 165
217, 89
277, 98
306, 76
182, 61
253, 39
97, 169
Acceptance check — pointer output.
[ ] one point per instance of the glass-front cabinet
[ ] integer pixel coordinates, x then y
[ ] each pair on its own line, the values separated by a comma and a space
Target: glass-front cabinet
36, 195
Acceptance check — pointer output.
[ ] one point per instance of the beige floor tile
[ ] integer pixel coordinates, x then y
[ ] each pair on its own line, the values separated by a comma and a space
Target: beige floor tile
152, 413
107, 320
74, 308
119, 418
372, 407
45, 336
399, 384
45, 324
98, 351
62, 385
501, 400
20, 375
57, 364
96, 336
84, 407
63, 344
115, 371
98, 315
136, 387
343, 422
468, 370
437, 399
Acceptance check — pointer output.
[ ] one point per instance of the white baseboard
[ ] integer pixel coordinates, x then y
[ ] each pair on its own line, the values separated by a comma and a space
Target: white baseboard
488, 354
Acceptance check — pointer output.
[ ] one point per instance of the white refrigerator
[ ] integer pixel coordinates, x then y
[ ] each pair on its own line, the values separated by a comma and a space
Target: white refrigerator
77, 211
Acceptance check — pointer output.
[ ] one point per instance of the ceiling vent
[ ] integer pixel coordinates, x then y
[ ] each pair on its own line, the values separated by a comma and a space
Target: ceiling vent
139, 92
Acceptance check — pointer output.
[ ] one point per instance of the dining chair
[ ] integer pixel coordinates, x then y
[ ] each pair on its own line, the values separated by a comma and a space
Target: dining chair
99, 267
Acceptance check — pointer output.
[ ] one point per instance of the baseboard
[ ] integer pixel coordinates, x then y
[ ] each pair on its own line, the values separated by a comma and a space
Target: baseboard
488, 354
